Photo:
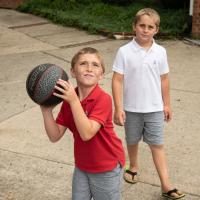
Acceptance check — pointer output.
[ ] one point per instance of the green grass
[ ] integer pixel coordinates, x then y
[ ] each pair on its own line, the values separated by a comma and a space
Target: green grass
96, 16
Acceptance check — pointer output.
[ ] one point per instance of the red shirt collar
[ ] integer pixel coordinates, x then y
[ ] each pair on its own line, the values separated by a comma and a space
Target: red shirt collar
93, 94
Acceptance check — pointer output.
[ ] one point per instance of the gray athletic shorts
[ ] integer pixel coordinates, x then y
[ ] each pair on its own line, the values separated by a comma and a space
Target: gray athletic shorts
97, 186
148, 126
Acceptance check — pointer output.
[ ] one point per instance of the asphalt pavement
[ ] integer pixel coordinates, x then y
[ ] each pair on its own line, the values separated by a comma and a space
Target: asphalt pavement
33, 168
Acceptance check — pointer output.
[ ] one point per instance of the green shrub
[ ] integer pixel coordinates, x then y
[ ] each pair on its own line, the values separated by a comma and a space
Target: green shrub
118, 2
174, 4
96, 15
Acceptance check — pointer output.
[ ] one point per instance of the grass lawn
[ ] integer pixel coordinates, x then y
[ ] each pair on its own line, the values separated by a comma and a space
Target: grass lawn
95, 16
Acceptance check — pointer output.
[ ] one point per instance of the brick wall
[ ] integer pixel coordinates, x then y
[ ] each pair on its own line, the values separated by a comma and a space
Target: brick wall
9, 3
196, 19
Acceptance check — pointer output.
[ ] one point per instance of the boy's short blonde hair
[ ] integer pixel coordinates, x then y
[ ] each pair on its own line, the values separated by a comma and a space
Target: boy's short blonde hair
87, 50
150, 12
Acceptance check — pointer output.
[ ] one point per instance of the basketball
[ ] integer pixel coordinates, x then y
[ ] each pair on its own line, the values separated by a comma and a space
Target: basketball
41, 81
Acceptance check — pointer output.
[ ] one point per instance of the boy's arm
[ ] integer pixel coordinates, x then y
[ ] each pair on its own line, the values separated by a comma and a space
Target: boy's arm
53, 130
166, 96
117, 84
87, 128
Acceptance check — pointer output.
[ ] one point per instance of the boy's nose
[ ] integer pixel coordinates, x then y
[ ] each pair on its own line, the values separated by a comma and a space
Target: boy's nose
145, 28
89, 68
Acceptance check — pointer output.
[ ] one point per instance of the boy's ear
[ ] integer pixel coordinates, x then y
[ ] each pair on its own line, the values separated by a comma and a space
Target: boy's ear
72, 72
101, 77
133, 29
157, 30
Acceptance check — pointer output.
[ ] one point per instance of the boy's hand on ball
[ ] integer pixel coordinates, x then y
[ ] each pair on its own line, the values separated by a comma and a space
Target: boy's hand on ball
67, 91
47, 108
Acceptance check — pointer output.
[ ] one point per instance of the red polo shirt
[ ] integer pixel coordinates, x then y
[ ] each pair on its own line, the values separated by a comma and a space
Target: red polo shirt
102, 152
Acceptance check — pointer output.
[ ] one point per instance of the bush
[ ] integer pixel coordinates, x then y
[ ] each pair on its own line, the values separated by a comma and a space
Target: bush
96, 15
118, 2
174, 4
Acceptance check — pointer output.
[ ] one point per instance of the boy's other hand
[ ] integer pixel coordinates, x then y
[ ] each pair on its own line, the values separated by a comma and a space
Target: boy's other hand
119, 117
167, 113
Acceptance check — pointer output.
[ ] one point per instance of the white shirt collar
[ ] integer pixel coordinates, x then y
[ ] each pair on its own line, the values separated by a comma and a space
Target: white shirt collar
137, 47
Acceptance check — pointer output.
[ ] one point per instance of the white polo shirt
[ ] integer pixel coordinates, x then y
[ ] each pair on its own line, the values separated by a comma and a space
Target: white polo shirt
142, 70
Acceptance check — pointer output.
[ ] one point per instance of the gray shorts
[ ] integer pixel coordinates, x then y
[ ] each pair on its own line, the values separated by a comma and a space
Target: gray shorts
147, 125
97, 186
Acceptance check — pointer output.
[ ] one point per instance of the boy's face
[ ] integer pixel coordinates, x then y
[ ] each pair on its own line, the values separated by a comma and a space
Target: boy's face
87, 70
145, 29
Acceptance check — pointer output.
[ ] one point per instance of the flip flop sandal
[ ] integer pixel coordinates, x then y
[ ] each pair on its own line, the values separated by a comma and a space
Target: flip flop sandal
133, 174
169, 194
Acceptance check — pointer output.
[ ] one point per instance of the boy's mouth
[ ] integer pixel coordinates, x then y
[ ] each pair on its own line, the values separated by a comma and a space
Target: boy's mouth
88, 75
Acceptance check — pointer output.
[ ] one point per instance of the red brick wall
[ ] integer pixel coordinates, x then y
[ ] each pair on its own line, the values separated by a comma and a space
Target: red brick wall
9, 3
196, 19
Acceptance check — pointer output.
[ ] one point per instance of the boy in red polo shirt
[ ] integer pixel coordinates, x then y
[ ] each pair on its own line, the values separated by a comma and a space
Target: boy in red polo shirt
87, 112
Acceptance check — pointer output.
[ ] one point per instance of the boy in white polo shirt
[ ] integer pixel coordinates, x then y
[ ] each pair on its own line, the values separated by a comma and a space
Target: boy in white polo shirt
141, 77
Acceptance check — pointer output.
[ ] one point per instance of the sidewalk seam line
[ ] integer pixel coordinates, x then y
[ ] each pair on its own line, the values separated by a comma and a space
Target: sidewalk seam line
28, 25
38, 157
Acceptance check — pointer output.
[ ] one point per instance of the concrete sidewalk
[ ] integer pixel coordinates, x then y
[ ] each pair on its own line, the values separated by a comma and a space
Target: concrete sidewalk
32, 168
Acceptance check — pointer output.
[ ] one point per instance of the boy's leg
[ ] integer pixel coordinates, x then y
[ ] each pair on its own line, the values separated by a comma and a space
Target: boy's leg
80, 186
133, 129
133, 157
106, 186
159, 159
133, 165
153, 135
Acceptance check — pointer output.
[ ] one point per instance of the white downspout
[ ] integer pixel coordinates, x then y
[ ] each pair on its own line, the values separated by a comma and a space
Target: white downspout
191, 7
